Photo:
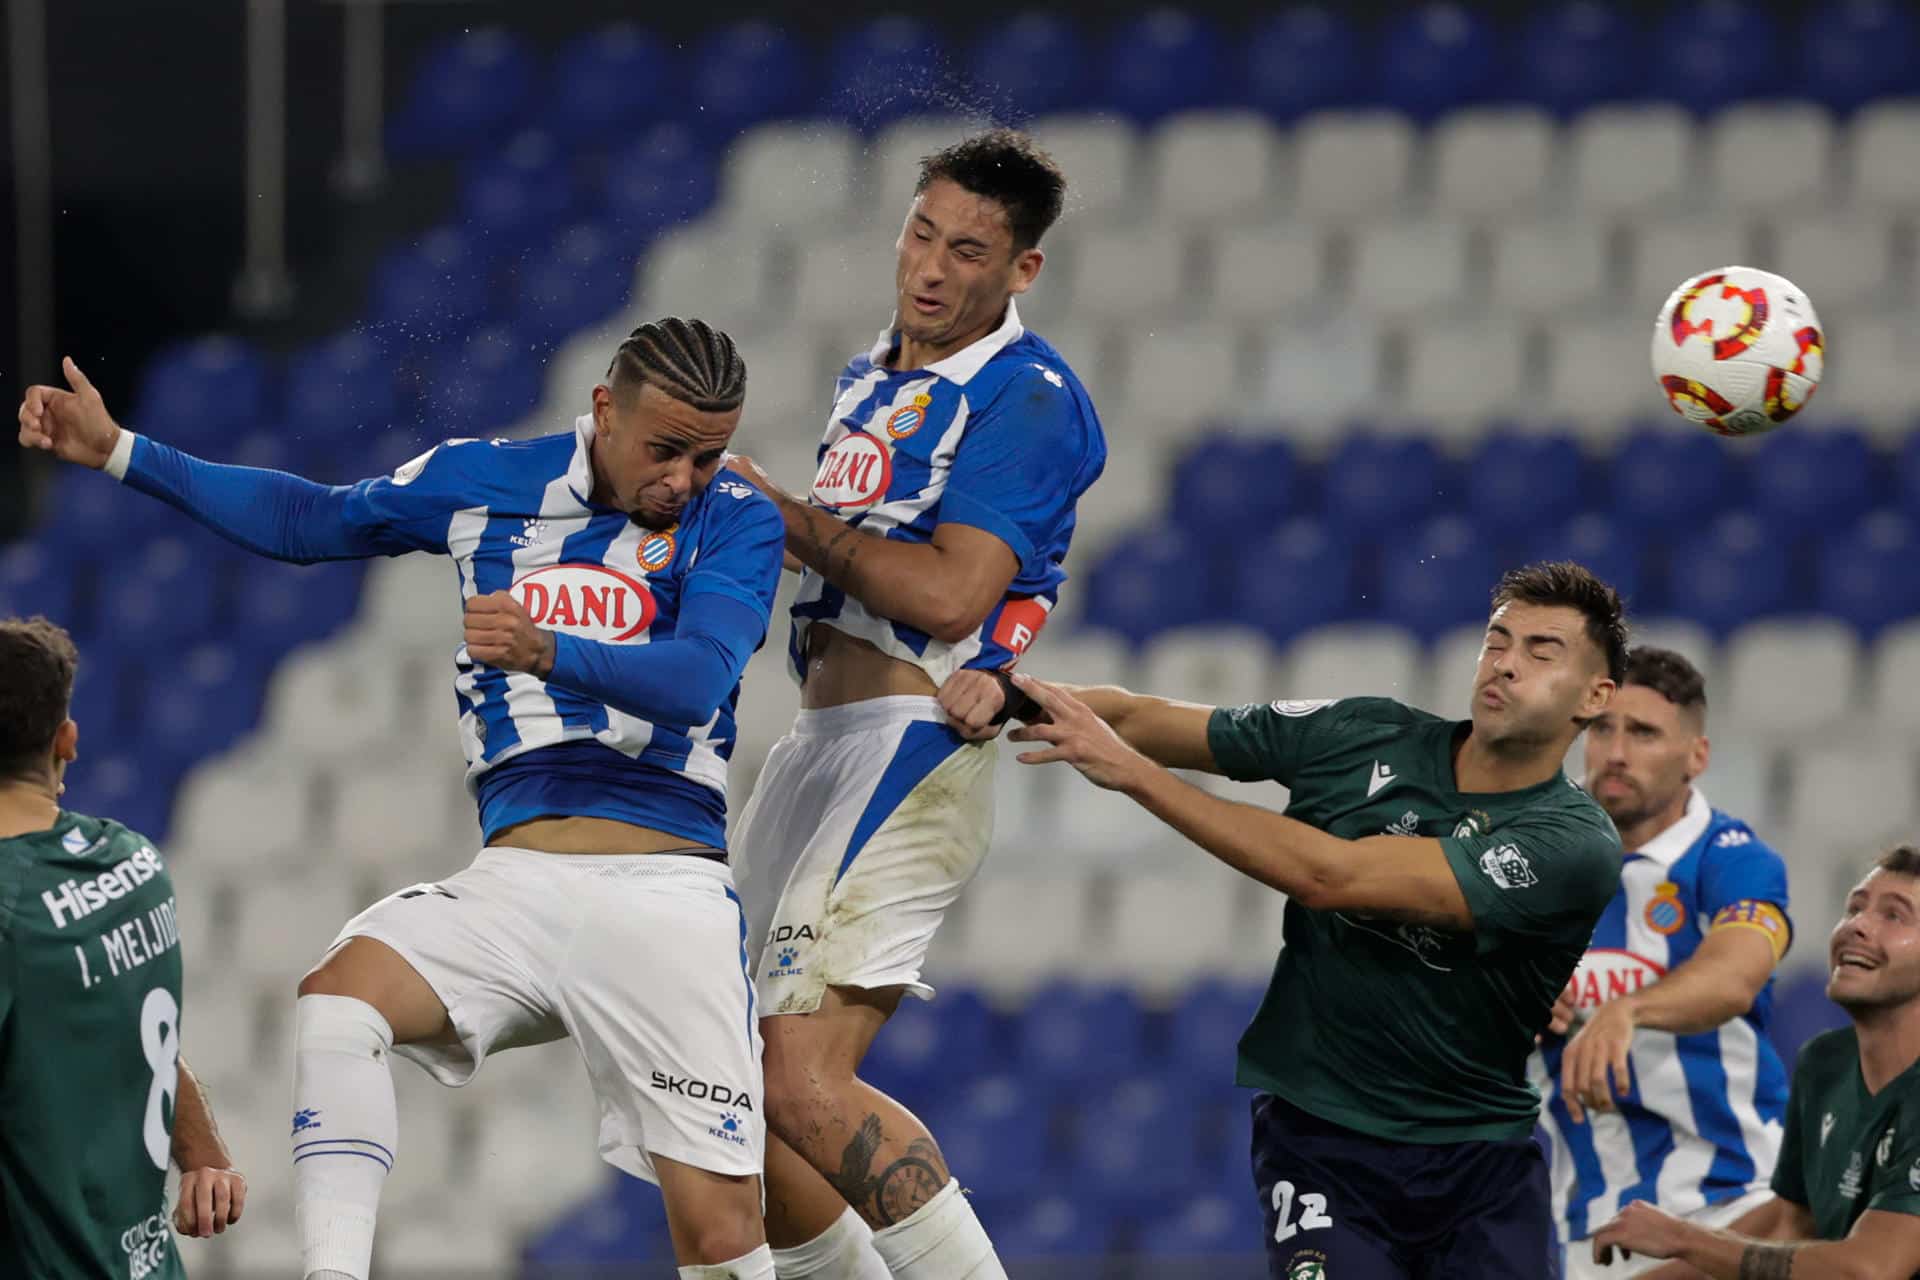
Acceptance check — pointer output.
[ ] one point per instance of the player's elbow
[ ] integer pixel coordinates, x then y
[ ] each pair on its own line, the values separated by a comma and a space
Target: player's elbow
1323, 889
951, 619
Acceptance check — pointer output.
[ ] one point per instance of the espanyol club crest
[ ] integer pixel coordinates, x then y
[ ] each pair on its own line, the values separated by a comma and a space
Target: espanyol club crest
655, 551
854, 473
586, 600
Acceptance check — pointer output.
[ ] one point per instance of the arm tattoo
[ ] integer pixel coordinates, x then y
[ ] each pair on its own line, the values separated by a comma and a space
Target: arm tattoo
899, 1189
1768, 1262
823, 548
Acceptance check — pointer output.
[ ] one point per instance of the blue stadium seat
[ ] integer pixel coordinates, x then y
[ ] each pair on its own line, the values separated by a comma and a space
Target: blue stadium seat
1054, 1226
667, 176
1851, 51
1808, 480
202, 392
948, 1039
1305, 58
1075, 1034
1378, 484
1578, 53
1032, 64
1212, 1224
1150, 582
1670, 477
1737, 571
1866, 572
131, 782
488, 382
1206, 1025
889, 67
463, 94
1518, 482
1436, 580
338, 386
1436, 57
100, 703
98, 518
745, 73
519, 197
578, 281
998, 1135
623, 1222
1708, 53
1612, 548
279, 606
1163, 61
161, 594
1233, 490
37, 577
432, 291
1296, 580
607, 83
198, 704
1133, 1164
1801, 1011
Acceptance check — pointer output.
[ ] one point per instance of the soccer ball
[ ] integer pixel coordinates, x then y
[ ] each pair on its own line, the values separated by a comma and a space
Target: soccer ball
1738, 351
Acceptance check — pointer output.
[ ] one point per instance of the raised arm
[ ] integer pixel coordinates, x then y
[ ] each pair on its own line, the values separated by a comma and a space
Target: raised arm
212, 1192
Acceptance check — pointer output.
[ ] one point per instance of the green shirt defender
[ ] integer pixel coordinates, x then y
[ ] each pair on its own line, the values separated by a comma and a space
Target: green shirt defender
1846, 1151
1399, 1030
89, 1053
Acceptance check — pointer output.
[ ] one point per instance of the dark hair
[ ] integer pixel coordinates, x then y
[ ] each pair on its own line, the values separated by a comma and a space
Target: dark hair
1562, 582
1669, 675
1901, 860
1005, 166
690, 360
37, 661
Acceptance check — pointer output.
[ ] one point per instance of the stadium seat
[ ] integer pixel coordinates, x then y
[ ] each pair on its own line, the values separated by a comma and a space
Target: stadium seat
1206, 166
131, 782
1435, 57
1255, 273
1233, 490
663, 178
745, 73
1203, 1028
37, 577
601, 83
1804, 481
1550, 268
950, 1038
793, 176
1596, 376
536, 1154
1668, 252
837, 280
403, 821
578, 281
1207, 1226
424, 1160
1352, 165
1173, 378
1733, 572
1792, 679
1175, 927
465, 92
1458, 379
1376, 484
1770, 157
200, 393
1685, 636
1883, 155
1576, 54
199, 701
1629, 159
166, 593
1857, 50
1304, 58
1053, 1226
516, 199
1435, 579
1612, 548
436, 289
1801, 1009
1219, 666
724, 277
1033, 64
285, 923
1098, 155
1893, 687
1135, 273
1356, 660
1317, 377
1410, 271
1298, 579
1492, 163
484, 383
1022, 925
1865, 571
1135, 1147
1860, 793
881, 70
1156, 579
1846, 262
1163, 61
621, 1221
336, 702
1707, 53
997, 1134
337, 387
1872, 383
1075, 1035
1518, 484
1453, 661
1666, 477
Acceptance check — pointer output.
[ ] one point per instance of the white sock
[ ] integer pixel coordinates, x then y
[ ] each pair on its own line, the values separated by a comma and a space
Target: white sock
844, 1251
346, 1131
941, 1240
757, 1265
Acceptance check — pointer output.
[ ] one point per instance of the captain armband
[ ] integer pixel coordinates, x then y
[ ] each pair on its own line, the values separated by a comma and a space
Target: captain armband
1751, 914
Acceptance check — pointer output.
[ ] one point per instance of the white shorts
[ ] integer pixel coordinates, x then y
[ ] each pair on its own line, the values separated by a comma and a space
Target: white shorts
1578, 1263
641, 959
867, 822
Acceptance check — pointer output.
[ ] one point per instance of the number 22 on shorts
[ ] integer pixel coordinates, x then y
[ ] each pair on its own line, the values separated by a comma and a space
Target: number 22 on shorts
1313, 1212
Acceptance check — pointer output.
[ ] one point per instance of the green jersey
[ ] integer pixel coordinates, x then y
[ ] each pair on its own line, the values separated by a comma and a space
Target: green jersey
1845, 1150
89, 1053
1395, 1029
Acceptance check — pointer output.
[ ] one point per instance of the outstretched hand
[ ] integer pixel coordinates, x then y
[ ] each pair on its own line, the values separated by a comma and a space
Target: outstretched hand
71, 423
1080, 738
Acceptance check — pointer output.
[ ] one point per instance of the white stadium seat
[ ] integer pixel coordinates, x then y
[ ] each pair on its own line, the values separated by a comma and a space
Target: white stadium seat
241, 812
1770, 156
1668, 252
1597, 376
1847, 263
1318, 375
1205, 166
1858, 794
340, 700
1021, 929
1551, 268
1688, 639
1171, 380
838, 279
1883, 155
1873, 380
1176, 924
1352, 165
1216, 666
402, 823
701, 269
1492, 162
1137, 273
1351, 660
794, 177
1413, 271
284, 925
1262, 272
1792, 679
1083, 657
1459, 377
1893, 686
1098, 154
1451, 666
1628, 159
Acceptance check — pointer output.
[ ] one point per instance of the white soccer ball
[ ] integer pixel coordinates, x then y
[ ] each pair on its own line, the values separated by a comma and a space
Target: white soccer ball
1738, 351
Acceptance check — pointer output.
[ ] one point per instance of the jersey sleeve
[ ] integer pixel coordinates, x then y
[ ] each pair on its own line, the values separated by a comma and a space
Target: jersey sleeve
741, 558
1544, 877
1897, 1186
1269, 741
1743, 885
1789, 1172
411, 509
1015, 470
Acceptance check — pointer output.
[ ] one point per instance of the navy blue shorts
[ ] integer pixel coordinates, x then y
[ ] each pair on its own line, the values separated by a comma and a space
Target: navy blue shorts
1364, 1208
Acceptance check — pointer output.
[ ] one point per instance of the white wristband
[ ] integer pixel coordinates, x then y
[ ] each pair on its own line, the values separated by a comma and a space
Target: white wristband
122, 454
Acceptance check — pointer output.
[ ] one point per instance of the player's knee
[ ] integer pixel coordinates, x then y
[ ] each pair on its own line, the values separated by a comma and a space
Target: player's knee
323, 980
727, 1226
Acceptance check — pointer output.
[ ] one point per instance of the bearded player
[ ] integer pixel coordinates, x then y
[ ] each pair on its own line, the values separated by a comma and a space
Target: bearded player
1443, 880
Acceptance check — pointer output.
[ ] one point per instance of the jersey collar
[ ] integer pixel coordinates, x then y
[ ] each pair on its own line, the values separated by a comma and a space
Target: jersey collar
959, 367
1667, 847
580, 470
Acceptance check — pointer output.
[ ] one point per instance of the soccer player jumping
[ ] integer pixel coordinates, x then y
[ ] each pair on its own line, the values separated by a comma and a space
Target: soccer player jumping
613, 591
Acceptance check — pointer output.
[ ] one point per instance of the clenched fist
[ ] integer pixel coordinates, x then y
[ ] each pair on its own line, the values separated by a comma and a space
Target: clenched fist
502, 634
210, 1201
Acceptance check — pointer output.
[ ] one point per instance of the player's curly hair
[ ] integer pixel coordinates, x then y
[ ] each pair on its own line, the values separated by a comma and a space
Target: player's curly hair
1005, 166
37, 662
1562, 582
1668, 674
689, 360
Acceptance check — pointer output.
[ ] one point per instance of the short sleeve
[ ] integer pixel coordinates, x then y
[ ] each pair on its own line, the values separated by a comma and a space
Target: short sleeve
1546, 877
1265, 741
741, 555
1789, 1172
411, 509
1897, 1181
1015, 473
1743, 884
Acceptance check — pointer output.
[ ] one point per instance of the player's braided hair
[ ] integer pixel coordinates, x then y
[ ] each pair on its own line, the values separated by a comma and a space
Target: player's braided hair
1562, 582
689, 360
37, 662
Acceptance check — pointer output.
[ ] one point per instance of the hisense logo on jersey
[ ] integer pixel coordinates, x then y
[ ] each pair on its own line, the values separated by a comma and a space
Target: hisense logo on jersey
854, 473
1605, 973
77, 899
586, 600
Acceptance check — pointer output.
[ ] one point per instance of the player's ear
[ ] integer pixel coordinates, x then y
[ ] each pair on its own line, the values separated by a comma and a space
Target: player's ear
1698, 758
602, 409
1026, 268
66, 742
1599, 694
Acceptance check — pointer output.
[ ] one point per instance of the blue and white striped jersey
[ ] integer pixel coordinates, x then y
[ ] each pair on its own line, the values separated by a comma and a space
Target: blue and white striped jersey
516, 516
1703, 1121
1000, 436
